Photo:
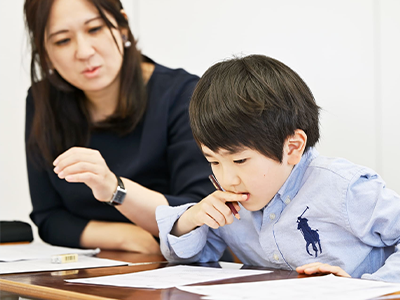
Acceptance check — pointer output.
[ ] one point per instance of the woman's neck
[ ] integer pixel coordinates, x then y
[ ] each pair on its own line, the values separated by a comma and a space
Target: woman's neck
102, 104
147, 71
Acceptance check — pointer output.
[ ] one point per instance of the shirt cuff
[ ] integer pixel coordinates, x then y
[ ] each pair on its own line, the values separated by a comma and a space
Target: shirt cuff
185, 246
189, 244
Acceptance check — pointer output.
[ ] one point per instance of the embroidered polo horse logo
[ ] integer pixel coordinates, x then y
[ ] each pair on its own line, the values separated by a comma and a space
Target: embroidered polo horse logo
311, 236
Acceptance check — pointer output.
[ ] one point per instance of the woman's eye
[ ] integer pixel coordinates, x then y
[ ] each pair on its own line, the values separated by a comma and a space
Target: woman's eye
240, 161
95, 29
62, 42
213, 163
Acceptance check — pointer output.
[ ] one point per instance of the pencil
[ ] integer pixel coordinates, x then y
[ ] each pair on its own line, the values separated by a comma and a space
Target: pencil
220, 188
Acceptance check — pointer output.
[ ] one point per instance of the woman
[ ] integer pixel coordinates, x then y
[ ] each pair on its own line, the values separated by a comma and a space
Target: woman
104, 125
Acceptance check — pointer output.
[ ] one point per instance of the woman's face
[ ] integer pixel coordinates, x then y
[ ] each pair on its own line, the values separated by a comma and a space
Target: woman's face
81, 47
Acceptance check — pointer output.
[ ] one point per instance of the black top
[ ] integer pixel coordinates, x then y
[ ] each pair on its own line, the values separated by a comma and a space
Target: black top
159, 154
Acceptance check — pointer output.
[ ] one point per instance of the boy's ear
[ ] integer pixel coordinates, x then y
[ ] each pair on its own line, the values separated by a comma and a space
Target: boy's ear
294, 146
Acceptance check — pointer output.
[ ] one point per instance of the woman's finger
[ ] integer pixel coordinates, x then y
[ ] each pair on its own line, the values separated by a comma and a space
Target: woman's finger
85, 177
80, 167
73, 156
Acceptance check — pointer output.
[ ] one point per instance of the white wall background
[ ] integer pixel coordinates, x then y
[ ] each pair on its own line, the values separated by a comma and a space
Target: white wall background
346, 50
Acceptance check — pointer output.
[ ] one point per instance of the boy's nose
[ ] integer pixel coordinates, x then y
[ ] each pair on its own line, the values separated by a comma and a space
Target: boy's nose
230, 181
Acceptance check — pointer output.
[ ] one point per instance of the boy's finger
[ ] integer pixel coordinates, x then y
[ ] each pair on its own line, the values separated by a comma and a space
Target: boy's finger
325, 268
222, 208
307, 266
231, 197
211, 222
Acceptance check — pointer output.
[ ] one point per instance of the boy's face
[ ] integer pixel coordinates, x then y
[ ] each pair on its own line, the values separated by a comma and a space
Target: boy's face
248, 171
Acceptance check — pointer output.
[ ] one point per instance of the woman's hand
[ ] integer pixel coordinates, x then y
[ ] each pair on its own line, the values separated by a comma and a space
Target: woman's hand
320, 268
89, 167
211, 211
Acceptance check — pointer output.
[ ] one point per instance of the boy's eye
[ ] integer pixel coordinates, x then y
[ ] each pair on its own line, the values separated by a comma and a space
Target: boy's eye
95, 29
240, 161
62, 42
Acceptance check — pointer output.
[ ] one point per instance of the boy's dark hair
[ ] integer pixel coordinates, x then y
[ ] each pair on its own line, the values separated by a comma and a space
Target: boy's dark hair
255, 102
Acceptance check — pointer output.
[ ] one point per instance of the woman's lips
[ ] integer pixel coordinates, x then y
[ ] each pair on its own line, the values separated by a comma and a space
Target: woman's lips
91, 72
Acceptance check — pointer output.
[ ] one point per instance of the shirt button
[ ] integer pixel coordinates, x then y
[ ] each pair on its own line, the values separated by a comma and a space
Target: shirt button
287, 200
272, 216
276, 256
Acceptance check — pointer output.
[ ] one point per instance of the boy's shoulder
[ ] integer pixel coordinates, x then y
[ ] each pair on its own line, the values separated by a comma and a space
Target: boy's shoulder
339, 167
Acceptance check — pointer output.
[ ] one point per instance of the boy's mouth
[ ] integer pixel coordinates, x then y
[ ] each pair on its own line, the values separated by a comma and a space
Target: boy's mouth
248, 195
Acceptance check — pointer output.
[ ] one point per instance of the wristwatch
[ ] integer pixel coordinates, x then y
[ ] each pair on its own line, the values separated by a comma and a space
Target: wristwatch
119, 195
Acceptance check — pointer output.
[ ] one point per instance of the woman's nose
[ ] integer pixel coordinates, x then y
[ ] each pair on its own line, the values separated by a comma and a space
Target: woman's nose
84, 49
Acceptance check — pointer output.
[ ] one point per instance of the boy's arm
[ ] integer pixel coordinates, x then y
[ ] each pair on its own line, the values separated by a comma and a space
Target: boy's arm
373, 213
198, 245
184, 224
184, 230
390, 270
211, 211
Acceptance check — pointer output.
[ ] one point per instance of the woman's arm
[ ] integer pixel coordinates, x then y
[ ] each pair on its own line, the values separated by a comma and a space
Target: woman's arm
64, 227
140, 205
87, 166
56, 224
121, 236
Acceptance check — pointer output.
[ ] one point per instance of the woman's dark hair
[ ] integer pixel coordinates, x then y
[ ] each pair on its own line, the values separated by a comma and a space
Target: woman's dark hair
61, 119
255, 102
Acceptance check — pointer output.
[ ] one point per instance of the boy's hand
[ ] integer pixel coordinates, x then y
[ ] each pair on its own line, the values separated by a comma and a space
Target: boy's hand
211, 211
320, 268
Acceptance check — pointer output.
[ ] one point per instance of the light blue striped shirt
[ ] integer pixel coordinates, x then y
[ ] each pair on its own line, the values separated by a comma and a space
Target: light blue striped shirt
329, 210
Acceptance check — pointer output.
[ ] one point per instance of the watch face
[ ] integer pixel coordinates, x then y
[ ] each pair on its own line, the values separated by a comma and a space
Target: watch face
118, 197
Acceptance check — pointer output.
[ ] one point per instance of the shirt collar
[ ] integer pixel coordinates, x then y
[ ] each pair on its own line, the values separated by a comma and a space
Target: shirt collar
292, 184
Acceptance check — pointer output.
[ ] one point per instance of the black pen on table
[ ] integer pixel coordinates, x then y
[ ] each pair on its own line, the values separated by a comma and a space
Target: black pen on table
220, 188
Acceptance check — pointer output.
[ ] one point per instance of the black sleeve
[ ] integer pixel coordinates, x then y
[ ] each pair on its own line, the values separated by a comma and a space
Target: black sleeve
56, 225
188, 167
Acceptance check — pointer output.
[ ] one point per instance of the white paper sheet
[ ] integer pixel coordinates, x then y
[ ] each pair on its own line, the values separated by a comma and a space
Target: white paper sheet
322, 287
10, 253
168, 277
38, 265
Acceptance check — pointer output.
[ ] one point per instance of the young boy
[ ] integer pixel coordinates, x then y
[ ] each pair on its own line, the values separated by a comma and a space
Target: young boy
256, 122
